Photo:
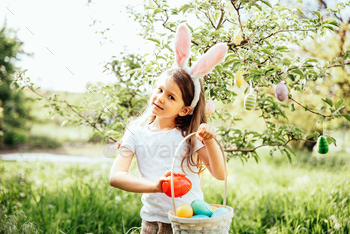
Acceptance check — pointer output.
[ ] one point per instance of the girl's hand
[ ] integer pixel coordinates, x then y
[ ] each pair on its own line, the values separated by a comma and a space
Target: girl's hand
205, 132
118, 143
158, 184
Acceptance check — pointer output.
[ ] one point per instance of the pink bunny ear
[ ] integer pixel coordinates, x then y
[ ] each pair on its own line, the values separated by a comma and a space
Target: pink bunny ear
182, 45
209, 60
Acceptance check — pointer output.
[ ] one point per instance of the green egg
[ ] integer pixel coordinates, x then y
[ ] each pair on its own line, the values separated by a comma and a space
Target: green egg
200, 207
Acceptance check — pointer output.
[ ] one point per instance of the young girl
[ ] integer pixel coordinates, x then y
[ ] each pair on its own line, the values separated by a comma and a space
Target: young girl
176, 108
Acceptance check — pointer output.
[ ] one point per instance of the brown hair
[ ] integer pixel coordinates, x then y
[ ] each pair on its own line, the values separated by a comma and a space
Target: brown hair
189, 123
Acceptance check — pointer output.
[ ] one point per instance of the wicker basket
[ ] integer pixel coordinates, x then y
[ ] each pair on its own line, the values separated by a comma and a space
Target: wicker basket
217, 225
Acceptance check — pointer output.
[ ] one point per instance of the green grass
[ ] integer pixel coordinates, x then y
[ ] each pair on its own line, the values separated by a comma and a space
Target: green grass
311, 195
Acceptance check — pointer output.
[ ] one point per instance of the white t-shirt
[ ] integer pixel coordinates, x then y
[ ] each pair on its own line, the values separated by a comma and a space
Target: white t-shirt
154, 152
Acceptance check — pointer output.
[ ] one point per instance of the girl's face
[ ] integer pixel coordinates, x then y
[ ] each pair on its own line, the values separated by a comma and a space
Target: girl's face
167, 101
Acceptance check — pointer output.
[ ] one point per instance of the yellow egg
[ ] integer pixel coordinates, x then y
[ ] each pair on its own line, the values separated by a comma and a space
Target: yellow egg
239, 79
184, 211
214, 207
238, 39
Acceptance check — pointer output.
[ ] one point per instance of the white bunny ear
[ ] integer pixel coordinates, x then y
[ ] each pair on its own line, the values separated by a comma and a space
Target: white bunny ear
182, 45
209, 60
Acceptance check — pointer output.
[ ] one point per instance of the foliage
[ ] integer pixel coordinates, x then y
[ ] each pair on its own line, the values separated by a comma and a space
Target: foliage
269, 34
14, 111
308, 196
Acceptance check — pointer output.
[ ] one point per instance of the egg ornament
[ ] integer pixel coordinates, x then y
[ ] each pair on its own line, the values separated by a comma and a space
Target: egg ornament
184, 211
220, 211
322, 145
239, 79
281, 91
237, 39
200, 207
249, 101
209, 107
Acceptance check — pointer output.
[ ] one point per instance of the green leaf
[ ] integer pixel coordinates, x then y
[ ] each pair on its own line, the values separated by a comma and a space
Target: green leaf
297, 71
328, 101
346, 116
184, 8
331, 21
158, 10
154, 40
292, 108
339, 103
103, 140
317, 13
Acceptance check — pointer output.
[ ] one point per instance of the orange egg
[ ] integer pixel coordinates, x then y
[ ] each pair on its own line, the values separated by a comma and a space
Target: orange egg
184, 211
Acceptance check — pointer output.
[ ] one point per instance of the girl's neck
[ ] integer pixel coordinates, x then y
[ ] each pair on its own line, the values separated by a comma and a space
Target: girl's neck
162, 124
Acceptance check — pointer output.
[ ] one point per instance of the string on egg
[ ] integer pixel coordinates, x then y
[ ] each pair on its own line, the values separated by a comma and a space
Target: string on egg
322, 142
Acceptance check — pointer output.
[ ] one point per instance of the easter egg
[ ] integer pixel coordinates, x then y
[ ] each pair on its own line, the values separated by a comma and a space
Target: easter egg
322, 145
184, 211
199, 217
214, 207
182, 185
210, 107
220, 211
237, 39
200, 207
239, 79
249, 101
281, 91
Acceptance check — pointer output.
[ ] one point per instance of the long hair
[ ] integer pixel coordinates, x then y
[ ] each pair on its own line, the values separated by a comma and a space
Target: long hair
186, 124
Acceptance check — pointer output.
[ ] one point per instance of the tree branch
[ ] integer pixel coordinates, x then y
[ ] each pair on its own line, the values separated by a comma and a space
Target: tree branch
286, 30
308, 108
239, 16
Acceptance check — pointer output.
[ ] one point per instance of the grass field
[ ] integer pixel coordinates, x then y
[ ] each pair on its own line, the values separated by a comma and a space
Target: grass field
309, 195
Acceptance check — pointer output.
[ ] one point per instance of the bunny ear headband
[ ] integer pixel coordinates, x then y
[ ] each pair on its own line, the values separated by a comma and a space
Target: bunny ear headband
204, 64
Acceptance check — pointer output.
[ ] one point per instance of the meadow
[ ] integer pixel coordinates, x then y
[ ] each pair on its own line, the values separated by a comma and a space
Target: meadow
309, 195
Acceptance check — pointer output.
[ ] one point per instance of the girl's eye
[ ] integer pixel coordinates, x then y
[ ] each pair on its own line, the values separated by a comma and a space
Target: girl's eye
160, 90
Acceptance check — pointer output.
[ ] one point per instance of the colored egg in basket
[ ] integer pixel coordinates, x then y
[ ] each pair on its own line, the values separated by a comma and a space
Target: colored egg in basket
200, 207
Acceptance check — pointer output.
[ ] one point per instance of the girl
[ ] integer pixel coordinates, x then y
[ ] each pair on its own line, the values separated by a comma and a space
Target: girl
176, 108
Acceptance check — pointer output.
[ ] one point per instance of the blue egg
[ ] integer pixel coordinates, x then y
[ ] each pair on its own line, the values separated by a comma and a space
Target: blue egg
199, 217
220, 211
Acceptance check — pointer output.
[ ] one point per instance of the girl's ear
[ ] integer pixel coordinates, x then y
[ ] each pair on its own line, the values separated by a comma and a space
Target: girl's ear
185, 111
209, 60
182, 45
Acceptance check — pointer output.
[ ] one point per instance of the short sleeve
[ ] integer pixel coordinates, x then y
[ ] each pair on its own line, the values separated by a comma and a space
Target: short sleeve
129, 141
199, 145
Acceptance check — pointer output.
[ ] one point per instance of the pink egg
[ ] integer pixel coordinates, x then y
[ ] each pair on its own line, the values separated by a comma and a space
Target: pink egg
281, 91
210, 107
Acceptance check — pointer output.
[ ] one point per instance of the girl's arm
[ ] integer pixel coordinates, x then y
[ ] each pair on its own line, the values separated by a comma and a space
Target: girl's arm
119, 176
212, 157
211, 154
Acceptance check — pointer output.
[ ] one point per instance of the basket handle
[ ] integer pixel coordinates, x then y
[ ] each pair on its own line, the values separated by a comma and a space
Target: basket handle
172, 170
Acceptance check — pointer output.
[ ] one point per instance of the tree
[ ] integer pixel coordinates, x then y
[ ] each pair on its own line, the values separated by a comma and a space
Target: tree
268, 34
13, 109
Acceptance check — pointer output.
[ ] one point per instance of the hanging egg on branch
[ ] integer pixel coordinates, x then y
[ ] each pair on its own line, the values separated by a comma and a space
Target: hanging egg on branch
209, 107
239, 79
238, 38
322, 145
281, 91
249, 101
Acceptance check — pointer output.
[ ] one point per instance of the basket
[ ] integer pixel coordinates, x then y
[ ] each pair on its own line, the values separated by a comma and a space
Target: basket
217, 225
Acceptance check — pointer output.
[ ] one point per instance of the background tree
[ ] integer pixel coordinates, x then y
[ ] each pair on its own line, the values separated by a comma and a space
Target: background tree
269, 34
14, 111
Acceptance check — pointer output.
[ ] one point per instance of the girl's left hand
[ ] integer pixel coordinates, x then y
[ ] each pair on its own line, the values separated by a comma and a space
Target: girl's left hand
205, 132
